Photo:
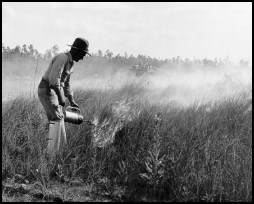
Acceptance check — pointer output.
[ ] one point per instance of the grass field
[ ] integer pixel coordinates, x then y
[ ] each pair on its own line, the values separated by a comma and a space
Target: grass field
142, 148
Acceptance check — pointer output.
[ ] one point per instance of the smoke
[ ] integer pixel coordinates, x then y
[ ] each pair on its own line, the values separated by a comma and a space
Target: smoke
104, 131
199, 84
180, 85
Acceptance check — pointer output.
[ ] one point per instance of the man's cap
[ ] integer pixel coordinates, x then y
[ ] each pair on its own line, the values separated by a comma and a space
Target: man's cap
81, 44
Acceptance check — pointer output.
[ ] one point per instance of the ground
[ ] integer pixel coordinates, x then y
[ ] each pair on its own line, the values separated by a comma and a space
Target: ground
56, 192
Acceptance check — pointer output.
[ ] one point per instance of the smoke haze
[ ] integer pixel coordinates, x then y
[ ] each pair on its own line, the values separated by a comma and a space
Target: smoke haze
178, 85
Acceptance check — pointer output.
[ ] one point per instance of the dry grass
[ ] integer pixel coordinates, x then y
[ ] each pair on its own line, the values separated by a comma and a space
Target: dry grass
151, 151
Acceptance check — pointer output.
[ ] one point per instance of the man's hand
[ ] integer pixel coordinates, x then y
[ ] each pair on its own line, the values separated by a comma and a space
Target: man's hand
73, 104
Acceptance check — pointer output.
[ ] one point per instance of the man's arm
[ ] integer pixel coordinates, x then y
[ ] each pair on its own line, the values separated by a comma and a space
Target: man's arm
68, 92
55, 77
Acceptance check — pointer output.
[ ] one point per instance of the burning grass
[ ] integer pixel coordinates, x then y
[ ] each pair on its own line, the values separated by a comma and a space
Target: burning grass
163, 151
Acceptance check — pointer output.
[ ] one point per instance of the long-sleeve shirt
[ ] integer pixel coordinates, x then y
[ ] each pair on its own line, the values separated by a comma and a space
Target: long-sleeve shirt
59, 72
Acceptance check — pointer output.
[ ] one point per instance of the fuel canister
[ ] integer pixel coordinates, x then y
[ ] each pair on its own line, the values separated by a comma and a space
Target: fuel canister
73, 115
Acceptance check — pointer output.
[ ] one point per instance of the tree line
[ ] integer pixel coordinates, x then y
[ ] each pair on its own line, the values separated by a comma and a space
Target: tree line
107, 58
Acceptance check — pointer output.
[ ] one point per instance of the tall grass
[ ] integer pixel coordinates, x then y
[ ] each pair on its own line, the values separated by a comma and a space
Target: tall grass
159, 151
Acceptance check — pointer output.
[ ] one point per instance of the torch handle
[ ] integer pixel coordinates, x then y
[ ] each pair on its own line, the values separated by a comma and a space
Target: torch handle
73, 109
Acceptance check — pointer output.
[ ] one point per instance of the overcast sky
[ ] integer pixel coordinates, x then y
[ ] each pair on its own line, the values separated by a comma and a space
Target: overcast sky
161, 30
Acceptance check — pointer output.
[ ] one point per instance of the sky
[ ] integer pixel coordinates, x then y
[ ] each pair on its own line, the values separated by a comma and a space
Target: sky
162, 30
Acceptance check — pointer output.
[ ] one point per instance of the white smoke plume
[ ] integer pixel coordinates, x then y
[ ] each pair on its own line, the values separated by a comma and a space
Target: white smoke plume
182, 86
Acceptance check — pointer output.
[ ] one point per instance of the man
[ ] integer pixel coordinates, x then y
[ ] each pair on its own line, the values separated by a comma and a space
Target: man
54, 87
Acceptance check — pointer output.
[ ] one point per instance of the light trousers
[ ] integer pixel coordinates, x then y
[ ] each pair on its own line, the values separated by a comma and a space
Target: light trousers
54, 112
